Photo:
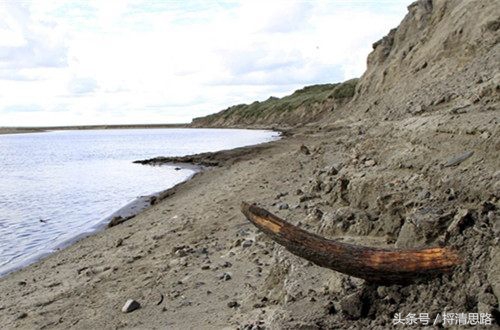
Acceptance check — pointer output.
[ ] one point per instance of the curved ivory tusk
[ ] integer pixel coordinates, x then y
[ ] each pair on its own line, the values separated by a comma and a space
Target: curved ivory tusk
372, 264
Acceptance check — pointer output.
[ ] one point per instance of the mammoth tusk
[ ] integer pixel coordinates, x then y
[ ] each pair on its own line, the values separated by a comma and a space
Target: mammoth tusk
372, 264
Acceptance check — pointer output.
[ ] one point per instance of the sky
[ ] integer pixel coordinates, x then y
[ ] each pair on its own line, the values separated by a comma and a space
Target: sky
148, 61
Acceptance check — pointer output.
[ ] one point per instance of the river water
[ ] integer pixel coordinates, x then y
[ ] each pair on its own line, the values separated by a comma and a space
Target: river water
58, 185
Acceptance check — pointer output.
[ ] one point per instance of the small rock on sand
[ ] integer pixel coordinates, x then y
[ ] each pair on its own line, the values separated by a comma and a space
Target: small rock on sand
247, 243
22, 316
225, 276
304, 150
351, 305
331, 170
370, 162
232, 304
283, 206
457, 160
226, 264
130, 306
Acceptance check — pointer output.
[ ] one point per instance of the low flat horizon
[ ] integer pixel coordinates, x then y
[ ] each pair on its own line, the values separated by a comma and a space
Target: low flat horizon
132, 125
136, 61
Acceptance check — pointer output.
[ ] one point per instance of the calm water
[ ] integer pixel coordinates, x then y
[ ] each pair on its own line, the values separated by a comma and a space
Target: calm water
57, 185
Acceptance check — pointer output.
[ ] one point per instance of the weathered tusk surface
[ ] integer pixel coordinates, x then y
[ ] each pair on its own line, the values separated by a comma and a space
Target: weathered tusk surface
372, 264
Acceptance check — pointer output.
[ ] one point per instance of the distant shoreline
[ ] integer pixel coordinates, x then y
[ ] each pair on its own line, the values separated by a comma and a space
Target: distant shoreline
15, 130
40, 129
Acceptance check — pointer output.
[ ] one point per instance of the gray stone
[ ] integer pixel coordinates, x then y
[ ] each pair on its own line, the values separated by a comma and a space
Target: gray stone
247, 243
22, 316
458, 159
370, 162
283, 206
232, 304
461, 220
351, 305
130, 306
225, 276
226, 264
304, 150
331, 170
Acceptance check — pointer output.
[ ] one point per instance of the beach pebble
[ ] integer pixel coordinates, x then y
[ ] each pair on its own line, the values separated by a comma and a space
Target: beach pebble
283, 206
281, 194
331, 170
304, 150
202, 250
232, 304
226, 264
458, 159
21, 316
246, 243
130, 306
225, 276
370, 162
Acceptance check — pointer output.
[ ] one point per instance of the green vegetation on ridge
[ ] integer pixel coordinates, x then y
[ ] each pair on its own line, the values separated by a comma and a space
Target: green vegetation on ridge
304, 99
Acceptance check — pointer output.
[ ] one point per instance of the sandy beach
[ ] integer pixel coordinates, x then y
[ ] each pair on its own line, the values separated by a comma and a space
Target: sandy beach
193, 253
409, 160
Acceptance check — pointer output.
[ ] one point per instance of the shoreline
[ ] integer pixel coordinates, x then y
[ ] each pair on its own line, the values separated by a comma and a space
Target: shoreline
7, 130
204, 161
44, 129
125, 213
75, 262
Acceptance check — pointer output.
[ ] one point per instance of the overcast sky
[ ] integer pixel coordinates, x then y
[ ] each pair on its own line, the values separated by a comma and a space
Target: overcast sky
138, 61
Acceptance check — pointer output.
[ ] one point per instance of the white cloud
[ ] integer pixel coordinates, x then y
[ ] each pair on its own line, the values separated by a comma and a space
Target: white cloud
138, 61
80, 86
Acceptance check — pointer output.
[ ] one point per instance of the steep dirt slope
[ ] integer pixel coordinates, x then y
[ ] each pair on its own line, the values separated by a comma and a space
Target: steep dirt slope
444, 54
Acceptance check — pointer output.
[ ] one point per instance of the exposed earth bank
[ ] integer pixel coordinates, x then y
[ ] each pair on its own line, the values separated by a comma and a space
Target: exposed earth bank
411, 160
